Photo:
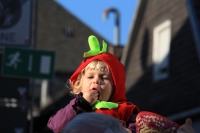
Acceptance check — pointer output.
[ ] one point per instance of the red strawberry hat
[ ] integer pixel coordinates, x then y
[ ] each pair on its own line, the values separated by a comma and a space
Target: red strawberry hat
115, 66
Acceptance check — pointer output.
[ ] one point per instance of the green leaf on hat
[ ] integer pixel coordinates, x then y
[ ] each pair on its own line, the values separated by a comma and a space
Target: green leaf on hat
94, 47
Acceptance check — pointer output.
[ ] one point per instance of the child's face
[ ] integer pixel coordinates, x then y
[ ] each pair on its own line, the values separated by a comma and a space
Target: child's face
97, 80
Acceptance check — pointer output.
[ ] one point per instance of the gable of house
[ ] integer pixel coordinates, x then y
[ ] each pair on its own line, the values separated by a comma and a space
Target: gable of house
59, 30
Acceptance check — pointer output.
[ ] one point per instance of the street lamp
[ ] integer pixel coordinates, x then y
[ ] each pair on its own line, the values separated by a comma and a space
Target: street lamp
116, 28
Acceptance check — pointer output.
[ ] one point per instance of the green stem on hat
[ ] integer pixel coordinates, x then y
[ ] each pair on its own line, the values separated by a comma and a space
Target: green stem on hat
94, 47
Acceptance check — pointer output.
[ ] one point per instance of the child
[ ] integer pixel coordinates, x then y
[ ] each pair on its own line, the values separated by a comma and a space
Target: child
99, 86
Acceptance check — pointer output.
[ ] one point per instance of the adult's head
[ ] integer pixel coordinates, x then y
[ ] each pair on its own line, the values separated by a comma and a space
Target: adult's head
94, 123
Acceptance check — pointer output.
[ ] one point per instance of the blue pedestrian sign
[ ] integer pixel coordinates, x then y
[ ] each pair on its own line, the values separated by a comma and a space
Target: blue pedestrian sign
28, 63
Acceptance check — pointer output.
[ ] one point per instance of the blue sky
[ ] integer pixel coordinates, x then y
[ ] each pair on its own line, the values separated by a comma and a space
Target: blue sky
90, 12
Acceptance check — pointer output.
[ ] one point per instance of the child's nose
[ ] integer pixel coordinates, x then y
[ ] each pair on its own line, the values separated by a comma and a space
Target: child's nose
96, 80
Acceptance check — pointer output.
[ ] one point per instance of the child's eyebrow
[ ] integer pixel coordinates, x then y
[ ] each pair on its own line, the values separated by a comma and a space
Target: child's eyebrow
90, 72
101, 73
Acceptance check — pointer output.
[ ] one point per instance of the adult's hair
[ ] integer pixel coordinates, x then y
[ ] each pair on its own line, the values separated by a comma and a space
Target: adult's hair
94, 122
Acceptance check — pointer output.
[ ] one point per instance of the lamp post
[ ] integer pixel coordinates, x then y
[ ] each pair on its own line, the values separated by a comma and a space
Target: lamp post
116, 28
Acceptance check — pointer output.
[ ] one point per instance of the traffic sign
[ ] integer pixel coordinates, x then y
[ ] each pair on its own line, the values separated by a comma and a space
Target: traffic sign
28, 63
15, 22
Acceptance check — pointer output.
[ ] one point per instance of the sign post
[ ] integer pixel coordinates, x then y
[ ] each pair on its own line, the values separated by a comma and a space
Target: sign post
28, 63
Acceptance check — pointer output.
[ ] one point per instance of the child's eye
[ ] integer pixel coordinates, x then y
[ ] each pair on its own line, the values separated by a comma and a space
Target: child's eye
105, 77
90, 77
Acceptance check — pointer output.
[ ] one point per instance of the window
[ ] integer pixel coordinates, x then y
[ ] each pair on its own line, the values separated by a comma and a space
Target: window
69, 32
161, 49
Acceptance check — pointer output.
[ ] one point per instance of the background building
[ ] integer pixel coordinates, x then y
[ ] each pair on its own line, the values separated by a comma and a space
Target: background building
162, 59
